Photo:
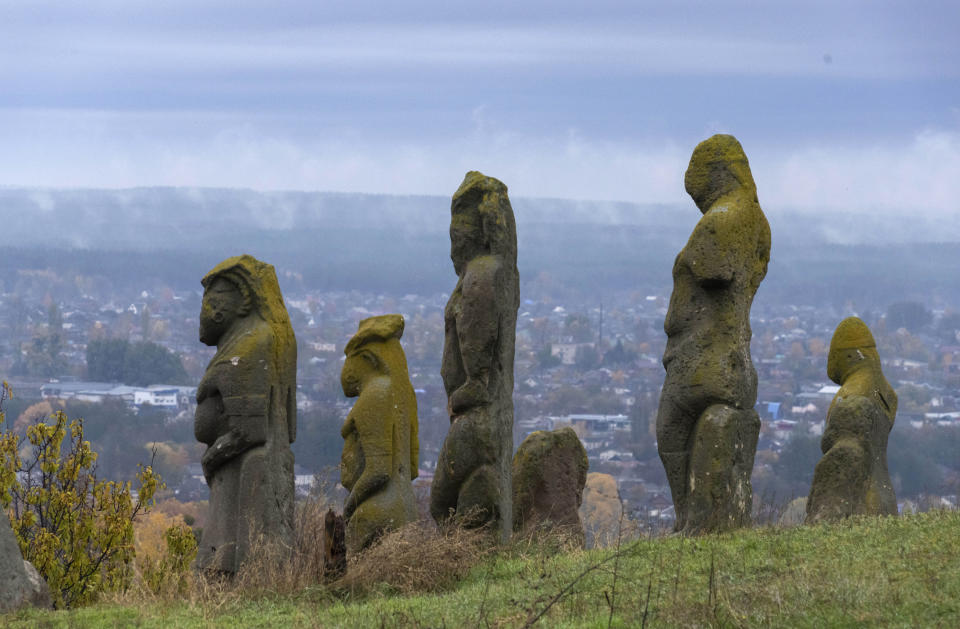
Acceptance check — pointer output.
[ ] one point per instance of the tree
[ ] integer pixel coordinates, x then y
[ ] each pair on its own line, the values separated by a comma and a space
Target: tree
42, 356
642, 417
619, 355
907, 314
578, 326
76, 529
948, 327
587, 357
139, 364
318, 443
546, 359
921, 460
799, 457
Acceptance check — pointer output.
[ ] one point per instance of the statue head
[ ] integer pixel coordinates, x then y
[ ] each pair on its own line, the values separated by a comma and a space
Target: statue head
374, 349
226, 300
852, 347
717, 168
241, 287
481, 221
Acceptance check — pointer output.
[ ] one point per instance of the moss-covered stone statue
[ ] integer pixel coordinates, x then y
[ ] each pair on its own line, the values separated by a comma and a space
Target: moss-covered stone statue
380, 450
246, 413
852, 476
473, 473
706, 427
549, 472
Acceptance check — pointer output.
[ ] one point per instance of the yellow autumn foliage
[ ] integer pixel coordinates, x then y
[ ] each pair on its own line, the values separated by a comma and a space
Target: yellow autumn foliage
76, 529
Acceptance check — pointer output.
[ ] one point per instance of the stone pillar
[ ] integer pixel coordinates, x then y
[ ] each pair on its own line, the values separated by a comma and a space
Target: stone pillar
549, 473
246, 413
472, 480
706, 427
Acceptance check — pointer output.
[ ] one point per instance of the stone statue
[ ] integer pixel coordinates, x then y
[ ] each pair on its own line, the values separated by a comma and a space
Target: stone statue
549, 473
852, 476
380, 450
706, 427
472, 479
246, 412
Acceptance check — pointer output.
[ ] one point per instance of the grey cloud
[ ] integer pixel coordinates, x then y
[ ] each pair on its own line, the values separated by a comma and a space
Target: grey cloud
560, 98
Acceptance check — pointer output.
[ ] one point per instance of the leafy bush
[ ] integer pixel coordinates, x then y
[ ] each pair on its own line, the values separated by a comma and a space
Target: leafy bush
167, 570
76, 529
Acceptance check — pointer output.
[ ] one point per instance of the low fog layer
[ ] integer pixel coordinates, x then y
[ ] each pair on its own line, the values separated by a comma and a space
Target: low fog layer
399, 244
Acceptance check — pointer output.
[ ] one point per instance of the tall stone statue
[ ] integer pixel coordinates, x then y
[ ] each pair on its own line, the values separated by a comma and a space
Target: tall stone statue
474, 468
852, 476
246, 412
549, 473
706, 427
380, 450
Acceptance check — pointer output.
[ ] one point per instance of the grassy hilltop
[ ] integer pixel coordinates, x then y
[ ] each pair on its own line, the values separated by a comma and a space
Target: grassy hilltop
889, 572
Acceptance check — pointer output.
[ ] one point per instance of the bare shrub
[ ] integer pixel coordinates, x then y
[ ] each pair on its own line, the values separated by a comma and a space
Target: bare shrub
416, 558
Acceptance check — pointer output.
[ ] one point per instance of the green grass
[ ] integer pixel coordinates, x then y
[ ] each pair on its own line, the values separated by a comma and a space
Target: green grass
882, 572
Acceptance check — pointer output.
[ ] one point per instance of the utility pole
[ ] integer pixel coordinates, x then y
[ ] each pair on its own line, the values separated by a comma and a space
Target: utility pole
600, 331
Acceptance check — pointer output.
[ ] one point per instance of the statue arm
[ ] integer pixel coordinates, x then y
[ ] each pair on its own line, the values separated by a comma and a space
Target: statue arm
478, 331
714, 246
848, 418
414, 442
372, 417
246, 419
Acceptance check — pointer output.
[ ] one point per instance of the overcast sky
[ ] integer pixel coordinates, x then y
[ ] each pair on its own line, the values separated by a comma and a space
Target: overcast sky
839, 105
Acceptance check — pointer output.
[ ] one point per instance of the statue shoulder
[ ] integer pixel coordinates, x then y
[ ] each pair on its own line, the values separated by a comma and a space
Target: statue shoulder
483, 271
377, 386
373, 404
853, 412
255, 338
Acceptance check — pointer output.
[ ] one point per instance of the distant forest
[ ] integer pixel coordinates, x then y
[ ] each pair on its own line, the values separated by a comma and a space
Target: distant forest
396, 245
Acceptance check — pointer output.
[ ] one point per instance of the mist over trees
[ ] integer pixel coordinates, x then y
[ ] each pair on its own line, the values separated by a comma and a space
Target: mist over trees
324, 241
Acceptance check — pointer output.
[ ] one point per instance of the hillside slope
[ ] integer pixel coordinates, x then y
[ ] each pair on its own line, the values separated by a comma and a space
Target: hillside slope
890, 572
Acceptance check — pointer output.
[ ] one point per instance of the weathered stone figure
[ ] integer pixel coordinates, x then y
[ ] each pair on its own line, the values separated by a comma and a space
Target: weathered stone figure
852, 476
380, 450
246, 412
706, 427
549, 473
473, 471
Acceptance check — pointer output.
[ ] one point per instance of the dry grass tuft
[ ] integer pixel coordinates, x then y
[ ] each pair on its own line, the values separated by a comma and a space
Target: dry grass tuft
274, 569
270, 569
415, 559
547, 539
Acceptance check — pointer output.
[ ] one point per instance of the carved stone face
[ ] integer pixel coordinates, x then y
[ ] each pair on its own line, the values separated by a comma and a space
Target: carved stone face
848, 348
466, 234
835, 365
717, 167
222, 302
356, 369
351, 375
